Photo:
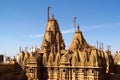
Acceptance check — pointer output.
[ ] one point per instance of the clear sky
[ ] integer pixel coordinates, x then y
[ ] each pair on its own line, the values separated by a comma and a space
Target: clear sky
23, 22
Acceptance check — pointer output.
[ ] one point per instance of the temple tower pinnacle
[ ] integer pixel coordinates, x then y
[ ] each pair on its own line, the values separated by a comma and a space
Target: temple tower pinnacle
48, 13
53, 37
78, 41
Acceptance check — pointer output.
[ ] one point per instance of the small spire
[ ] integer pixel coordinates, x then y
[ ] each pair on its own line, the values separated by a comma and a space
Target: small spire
97, 44
78, 27
48, 13
20, 49
75, 23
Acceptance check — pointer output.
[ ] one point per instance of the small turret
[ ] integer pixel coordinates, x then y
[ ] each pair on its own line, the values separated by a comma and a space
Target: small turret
48, 13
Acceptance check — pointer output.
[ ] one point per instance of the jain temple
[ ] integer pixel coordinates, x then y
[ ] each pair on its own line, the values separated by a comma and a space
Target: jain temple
52, 61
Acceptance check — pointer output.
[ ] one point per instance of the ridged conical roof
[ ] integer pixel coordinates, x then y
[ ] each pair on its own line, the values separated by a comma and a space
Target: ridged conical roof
78, 41
53, 37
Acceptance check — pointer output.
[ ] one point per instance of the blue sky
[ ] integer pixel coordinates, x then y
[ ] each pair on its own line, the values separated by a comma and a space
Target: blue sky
23, 22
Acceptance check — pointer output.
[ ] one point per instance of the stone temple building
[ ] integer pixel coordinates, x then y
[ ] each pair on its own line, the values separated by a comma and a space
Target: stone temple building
52, 61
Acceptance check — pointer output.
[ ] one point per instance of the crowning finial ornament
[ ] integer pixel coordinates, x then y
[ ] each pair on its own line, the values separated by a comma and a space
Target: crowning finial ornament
97, 44
75, 23
48, 13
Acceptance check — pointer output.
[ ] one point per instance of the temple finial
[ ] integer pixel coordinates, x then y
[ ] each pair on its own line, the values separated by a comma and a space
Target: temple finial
75, 23
78, 27
48, 13
97, 44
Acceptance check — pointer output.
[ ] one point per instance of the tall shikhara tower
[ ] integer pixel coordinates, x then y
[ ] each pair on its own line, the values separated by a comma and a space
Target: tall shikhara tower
52, 40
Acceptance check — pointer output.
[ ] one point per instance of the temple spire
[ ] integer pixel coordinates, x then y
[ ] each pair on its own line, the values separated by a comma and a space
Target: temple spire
97, 44
52, 36
78, 27
48, 13
75, 23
